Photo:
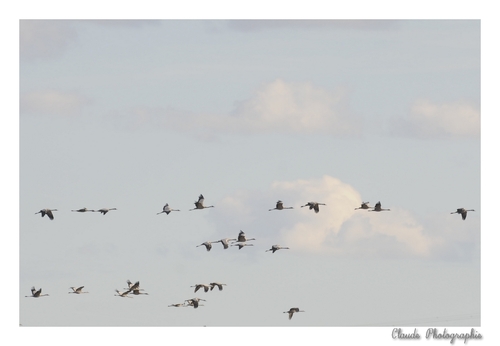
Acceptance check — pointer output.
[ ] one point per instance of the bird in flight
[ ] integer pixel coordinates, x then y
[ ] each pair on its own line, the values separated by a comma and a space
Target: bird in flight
463, 212
47, 212
242, 238
275, 248
83, 210
77, 290
291, 312
167, 210
218, 284
313, 205
103, 211
199, 204
207, 244
364, 205
198, 286
378, 207
279, 206
35, 293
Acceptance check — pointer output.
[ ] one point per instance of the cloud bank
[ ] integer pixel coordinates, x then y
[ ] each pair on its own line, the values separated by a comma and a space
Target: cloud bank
446, 120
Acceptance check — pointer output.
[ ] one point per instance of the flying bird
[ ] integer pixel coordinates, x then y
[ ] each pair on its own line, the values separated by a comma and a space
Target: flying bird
103, 211
207, 244
35, 293
194, 302
167, 210
47, 212
83, 210
241, 245
198, 286
378, 207
291, 312
313, 205
122, 294
463, 212
77, 290
275, 248
213, 284
279, 206
199, 204
225, 242
242, 238
364, 205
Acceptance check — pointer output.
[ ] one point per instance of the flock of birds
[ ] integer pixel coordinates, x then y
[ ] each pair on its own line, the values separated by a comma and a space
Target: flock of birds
241, 241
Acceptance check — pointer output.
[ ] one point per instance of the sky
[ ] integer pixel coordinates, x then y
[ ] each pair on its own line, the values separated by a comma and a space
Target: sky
135, 114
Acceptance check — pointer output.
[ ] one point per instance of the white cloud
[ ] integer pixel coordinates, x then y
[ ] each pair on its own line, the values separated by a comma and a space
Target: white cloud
296, 108
52, 102
428, 119
277, 107
44, 39
338, 229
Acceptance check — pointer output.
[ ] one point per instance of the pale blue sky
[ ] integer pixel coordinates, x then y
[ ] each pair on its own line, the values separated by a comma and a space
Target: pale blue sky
136, 114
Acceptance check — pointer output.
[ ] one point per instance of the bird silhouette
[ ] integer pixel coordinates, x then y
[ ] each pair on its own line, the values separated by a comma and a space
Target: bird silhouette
378, 207
207, 244
279, 206
194, 302
47, 212
218, 284
77, 290
167, 209
275, 248
83, 210
313, 205
199, 204
364, 205
463, 212
198, 286
35, 293
291, 312
242, 237
103, 211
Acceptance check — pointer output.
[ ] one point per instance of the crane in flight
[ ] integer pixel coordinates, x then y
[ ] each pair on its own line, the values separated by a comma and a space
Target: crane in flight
207, 244
291, 312
103, 211
364, 205
167, 210
313, 205
279, 206
83, 210
378, 207
242, 237
199, 204
77, 290
275, 248
218, 284
463, 212
47, 212
35, 293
